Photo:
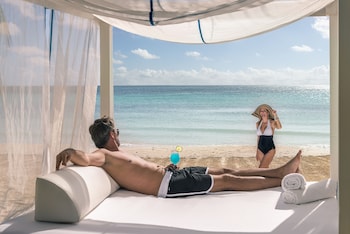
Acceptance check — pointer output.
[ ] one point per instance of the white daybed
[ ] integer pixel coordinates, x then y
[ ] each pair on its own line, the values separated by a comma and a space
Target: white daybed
87, 200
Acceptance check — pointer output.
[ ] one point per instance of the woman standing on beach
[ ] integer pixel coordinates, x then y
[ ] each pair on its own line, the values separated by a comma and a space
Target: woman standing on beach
268, 122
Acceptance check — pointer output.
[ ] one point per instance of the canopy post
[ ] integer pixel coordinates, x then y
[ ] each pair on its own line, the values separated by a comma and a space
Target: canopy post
344, 116
334, 89
106, 72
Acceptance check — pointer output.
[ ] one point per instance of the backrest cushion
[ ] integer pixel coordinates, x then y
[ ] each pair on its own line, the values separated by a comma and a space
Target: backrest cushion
69, 194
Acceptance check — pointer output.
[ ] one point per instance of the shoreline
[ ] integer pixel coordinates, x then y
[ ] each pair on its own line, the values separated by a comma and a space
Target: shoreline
159, 150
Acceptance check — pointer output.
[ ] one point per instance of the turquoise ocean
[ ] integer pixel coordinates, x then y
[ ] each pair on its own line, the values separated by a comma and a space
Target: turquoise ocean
219, 115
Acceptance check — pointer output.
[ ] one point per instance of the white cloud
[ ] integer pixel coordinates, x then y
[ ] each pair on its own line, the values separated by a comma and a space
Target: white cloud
302, 48
121, 70
118, 58
144, 54
210, 76
117, 61
120, 55
321, 25
196, 55
193, 54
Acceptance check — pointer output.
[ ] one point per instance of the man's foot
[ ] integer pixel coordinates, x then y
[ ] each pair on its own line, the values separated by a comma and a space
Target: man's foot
292, 166
299, 170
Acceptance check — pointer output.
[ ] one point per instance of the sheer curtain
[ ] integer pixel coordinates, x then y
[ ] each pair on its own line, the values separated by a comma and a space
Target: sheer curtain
49, 72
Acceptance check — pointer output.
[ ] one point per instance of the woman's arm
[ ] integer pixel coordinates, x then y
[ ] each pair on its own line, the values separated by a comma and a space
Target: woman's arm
277, 122
80, 158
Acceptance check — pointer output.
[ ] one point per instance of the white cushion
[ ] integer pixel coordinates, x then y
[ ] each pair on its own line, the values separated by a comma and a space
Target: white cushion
69, 194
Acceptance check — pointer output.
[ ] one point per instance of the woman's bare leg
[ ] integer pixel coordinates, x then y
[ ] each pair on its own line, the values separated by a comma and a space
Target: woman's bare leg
259, 155
267, 159
290, 167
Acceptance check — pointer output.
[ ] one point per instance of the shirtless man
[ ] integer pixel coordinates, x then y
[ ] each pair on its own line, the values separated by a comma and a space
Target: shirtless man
136, 174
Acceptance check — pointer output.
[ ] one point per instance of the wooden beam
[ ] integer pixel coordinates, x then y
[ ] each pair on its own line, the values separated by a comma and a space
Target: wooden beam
106, 66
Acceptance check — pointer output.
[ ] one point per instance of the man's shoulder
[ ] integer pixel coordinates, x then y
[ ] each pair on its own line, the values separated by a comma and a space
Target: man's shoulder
107, 152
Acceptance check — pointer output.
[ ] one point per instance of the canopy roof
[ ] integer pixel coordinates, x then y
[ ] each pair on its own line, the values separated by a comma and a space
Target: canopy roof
195, 21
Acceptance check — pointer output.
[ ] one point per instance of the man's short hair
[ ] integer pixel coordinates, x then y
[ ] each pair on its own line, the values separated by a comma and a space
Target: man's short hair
100, 130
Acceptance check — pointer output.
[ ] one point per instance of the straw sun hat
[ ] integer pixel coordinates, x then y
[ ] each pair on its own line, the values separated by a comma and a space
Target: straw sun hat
269, 109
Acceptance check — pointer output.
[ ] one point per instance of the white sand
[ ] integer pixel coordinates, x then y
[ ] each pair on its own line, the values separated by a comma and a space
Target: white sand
160, 151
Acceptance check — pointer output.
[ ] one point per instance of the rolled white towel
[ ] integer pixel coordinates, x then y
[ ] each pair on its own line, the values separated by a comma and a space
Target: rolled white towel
293, 181
312, 192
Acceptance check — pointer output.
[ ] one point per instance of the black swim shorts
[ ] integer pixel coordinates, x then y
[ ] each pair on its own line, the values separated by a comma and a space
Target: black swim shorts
189, 181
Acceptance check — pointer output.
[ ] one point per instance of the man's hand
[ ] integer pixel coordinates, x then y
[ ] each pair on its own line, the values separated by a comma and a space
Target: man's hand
64, 157
172, 167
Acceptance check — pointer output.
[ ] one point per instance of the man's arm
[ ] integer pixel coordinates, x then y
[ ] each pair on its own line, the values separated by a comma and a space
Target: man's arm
79, 158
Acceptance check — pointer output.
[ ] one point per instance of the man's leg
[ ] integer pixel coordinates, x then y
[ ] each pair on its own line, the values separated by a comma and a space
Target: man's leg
279, 172
229, 182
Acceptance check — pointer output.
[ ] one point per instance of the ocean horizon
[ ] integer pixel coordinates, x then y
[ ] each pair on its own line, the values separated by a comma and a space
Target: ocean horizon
219, 115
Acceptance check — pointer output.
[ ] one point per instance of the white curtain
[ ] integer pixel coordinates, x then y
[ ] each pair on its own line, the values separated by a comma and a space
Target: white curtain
49, 71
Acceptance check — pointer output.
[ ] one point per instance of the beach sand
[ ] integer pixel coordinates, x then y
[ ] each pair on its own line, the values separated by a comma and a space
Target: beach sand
315, 166
315, 163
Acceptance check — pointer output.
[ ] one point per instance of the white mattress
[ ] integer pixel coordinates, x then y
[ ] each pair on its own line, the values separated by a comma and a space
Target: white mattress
227, 212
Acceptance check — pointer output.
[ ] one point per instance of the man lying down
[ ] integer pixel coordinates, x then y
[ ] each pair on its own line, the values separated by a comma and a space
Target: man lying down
136, 174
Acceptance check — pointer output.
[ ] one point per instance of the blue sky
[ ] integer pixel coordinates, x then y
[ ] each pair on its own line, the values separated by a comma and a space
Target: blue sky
296, 54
